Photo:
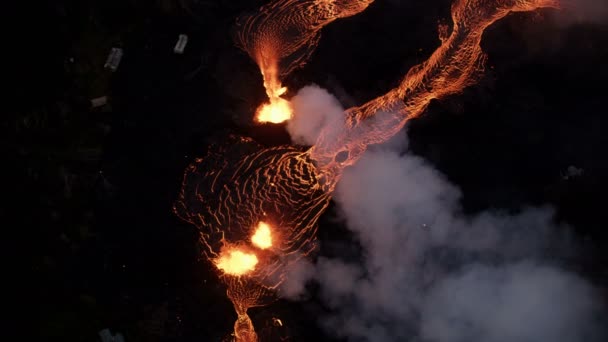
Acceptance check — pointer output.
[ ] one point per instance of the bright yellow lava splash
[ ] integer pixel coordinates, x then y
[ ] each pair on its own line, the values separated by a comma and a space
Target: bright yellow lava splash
276, 111
236, 262
262, 237
282, 36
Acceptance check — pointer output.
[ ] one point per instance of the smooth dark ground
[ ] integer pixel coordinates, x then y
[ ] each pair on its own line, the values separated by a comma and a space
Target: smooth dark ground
92, 189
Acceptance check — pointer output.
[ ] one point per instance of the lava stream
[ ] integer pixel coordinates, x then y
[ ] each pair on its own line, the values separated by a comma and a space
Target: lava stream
456, 64
257, 208
281, 36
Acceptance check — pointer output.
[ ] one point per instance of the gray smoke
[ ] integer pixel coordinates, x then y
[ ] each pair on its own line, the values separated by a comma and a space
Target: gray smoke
428, 272
515, 302
314, 108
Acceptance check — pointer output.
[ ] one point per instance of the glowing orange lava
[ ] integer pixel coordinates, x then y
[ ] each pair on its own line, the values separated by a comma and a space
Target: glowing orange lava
239, 184
228, 193
262, 238
282, 36
456, 64
236, 262
276, 111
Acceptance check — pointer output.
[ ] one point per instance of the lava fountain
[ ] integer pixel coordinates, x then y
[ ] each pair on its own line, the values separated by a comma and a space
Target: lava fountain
281, 36
257, 208
262, 237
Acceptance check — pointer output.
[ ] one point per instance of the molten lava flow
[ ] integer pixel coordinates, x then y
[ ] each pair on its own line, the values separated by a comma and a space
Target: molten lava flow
262, 237
455, 65
281, 36
239, 185
236, 262
232, 195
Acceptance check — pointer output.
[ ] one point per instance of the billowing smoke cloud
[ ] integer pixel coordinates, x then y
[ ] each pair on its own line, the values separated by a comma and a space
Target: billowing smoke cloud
515, 302
314, 108
428, 272
585, 10
298, 274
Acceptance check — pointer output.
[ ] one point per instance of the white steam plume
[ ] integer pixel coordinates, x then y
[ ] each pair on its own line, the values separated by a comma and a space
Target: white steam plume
516, 302
430, 273
313, 108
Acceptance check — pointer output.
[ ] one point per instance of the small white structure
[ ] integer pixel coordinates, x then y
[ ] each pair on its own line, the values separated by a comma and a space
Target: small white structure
181, 44
99, 101
106, 336
572, 172
113, 60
